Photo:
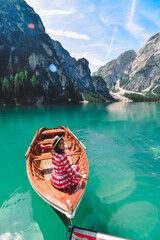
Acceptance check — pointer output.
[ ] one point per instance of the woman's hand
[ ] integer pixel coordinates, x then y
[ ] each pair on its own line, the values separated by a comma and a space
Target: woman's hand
84, 176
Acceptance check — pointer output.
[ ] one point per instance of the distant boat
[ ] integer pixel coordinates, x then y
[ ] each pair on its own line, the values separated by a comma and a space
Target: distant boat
39, 168
81, 233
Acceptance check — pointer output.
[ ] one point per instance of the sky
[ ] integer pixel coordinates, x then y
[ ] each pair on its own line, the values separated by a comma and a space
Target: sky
99, 30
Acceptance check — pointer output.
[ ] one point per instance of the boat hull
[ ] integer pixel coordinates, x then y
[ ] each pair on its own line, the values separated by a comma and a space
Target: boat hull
39, 168
81, 233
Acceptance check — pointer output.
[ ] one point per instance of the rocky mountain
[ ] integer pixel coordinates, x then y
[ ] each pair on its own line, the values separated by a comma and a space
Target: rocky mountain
136, 76
80, 74
114, 70
144, 71
26, 48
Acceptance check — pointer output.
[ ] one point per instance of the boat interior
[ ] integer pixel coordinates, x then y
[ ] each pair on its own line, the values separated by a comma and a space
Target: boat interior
41, 166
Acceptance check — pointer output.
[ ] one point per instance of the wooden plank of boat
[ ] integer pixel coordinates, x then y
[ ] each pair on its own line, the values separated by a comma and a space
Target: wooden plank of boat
81, 233
39, 168
54, 131
48, 156
49, 141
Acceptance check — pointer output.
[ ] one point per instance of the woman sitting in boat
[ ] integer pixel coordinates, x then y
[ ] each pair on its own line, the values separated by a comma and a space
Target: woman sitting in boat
64, 175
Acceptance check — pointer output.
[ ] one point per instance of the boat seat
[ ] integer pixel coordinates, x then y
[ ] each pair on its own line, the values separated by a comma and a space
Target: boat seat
46, 141
45, 156
49, 141
53, 132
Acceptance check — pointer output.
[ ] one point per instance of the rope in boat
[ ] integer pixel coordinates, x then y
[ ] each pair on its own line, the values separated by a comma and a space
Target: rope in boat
70, 225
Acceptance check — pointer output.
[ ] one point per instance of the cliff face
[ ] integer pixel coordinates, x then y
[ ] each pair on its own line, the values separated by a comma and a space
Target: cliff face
114, 70
24, 45
144, 71
136, 73
15, 15
78, 71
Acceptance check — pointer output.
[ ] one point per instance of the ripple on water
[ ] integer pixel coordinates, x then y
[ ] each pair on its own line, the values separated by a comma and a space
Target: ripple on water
120, 195
115, 182
16, 218
156, 152
135, 220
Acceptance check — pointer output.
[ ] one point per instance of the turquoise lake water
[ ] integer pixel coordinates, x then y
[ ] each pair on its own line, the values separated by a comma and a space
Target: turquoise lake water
123, 192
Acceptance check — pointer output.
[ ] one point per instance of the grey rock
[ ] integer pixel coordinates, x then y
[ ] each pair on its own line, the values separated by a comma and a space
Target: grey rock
145, 69
135, 71
114, 70
100, 85
30, 48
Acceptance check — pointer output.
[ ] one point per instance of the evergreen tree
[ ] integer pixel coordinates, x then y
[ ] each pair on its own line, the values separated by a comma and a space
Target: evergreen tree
22, 78
34, 81
7, 91
16, 85
26, 76
34, 86
11, 79
19, 87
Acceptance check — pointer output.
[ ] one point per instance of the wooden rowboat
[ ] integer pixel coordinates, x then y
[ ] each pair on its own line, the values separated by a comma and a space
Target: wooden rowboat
39, 168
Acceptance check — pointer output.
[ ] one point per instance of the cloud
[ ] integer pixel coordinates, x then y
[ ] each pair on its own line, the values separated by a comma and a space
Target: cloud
93, 59
43, 12
34, 3
47, 4
136, 30
152, 15
104, 19
68, 34
110, 46
95, 45
132, 10
133, 28
91, 8
110, 14
96, 62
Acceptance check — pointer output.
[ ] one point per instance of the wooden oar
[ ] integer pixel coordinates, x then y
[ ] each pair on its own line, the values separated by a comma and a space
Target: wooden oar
78, 140
29, 148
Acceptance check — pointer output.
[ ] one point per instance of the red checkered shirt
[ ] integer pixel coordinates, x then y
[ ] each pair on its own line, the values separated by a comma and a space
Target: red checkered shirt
64, 175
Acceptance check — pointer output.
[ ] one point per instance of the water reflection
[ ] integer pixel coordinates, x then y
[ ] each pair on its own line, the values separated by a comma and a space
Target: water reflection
135, 220
135, 111
16, 218
90, 114
114, 181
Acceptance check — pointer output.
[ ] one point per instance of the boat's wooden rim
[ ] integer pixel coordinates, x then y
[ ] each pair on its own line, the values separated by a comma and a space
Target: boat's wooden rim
39, 186
68, 215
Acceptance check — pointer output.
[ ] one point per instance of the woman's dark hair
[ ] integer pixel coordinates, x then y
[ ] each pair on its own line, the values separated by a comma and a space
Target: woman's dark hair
57, 150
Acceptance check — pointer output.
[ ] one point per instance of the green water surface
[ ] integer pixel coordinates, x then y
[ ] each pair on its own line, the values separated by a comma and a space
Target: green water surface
123, 192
